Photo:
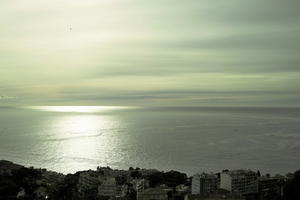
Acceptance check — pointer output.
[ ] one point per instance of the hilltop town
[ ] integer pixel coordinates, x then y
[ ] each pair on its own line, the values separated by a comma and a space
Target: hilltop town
104, 183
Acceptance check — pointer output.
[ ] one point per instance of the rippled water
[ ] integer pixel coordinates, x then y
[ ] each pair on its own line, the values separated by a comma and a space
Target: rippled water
185, 139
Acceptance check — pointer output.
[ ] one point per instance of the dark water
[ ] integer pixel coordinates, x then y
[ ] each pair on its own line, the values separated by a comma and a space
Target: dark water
186, 139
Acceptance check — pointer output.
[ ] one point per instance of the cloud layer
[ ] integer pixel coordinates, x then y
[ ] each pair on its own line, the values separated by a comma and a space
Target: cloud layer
150, 52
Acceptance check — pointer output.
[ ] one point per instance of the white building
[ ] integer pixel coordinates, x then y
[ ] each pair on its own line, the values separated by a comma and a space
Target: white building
196, 184
203, 184
239, 181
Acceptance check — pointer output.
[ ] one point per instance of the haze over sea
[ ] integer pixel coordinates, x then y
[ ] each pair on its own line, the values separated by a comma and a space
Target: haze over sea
68, 139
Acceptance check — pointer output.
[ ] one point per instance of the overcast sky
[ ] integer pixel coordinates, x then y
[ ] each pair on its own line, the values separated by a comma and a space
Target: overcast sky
150, 52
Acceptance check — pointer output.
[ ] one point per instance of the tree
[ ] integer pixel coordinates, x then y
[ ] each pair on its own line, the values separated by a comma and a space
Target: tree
136, 174
171, 178
174, 178
156, 179
258, 173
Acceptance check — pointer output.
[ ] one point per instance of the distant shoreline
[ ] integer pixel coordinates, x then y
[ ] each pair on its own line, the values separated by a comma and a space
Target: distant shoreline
133, 167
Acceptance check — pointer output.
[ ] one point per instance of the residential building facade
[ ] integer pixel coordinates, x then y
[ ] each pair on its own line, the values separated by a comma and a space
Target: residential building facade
239, 181
204, 184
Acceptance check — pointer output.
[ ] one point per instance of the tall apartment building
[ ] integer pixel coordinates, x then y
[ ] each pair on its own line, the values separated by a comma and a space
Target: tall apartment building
239, 181
204, 184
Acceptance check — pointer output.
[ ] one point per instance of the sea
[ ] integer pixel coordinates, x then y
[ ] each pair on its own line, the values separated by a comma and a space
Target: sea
67, 139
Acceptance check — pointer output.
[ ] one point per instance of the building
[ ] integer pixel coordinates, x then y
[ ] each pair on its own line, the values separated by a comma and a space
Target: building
214, 197
239, 181
158, 193
51, 177
122, 190
108, 187
138, 184
204, 184
196, 184
88, 180
182, 188
270, 187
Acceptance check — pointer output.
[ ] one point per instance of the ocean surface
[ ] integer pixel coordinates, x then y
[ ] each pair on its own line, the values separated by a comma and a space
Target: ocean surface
68, 139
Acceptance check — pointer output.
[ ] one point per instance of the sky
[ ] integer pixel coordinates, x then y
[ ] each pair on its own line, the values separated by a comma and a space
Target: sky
153, 53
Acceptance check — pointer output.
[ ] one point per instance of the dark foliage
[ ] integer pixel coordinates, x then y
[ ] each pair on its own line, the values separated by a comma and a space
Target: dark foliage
136, 174
120, 180
171, 178
8, 188
292, 187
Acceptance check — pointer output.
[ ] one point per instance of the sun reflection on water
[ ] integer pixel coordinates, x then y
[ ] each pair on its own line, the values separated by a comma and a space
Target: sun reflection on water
81, 141
78, 109
76, 138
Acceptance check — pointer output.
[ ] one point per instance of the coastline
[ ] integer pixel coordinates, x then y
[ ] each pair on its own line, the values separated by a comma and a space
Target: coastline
19, 182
